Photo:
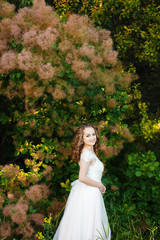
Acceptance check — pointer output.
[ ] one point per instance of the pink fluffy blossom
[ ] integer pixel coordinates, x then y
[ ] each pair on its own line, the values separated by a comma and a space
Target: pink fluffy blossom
93, 35
58, 94
3, 46
34, 178
5, 229
29, 38
47, 38
96, 60
87, 51
108, 150
110, 57
79, 67
126, 80
81, 29
84, 74
47, 171
38, 92
45, 71
15, 31
8, 61
23, 203
69, 58
6, 9
107, 44
126, 134
111, 103
39, 4
71, 91
10, 196
26, 230
77, 33
37, 192
8, 210
10, 170
27, 61
44, 15
28, 86
104, 34
19, 18
38, 218
65, 45
19, 215
5, 32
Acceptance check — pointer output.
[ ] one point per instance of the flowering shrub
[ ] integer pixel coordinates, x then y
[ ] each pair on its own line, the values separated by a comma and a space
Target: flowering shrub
18, 207
24, 205
55, 75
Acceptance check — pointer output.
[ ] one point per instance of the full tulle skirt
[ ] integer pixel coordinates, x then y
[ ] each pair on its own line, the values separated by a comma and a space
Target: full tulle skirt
85, 217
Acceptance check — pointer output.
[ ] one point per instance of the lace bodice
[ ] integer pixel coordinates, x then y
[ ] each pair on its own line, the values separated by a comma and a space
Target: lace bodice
95, 171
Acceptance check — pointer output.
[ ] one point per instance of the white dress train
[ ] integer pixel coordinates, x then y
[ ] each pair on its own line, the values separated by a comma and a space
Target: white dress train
85, 217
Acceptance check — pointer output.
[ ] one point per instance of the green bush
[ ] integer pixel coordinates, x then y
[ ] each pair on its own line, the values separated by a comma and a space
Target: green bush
143, 183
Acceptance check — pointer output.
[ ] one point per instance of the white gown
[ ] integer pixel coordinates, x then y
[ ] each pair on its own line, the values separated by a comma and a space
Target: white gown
85, 210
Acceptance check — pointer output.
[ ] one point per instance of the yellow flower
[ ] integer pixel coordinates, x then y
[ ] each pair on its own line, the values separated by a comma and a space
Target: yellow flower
46, 148
39, 235
48, 220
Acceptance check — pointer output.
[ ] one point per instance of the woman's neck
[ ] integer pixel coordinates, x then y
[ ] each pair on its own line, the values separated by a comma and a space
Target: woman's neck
90, 148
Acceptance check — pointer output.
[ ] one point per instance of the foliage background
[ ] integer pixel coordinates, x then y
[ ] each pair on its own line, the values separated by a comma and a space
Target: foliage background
39, 113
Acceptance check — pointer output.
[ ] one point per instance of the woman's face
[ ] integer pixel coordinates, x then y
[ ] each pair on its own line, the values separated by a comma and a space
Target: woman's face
89, 136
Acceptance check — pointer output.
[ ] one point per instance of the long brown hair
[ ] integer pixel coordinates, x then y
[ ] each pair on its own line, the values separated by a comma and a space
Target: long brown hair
77, 143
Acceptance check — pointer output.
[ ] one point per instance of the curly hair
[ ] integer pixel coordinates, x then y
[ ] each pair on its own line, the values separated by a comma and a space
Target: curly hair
77, 142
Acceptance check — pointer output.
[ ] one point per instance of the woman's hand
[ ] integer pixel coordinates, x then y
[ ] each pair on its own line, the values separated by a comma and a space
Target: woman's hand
102, 188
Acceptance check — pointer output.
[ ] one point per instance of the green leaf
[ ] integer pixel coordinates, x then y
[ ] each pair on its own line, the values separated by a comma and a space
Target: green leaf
32, 210
12, 75
150, 175
138, 173
70, 75
61, 74
102, 68
156, 164
152, 168
54, 46
130, 158
18, 75
78, 45
125, 106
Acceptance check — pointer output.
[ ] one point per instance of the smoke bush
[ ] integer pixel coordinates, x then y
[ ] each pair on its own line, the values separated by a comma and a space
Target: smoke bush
54, 75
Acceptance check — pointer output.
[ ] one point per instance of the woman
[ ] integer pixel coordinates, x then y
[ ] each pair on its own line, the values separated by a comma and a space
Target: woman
85, 217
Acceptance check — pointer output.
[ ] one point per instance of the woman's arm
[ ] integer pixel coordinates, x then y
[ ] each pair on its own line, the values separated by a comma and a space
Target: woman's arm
84, 179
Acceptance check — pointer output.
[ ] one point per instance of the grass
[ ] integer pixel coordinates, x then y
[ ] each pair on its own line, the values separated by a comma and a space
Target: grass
132, 231
124, 227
